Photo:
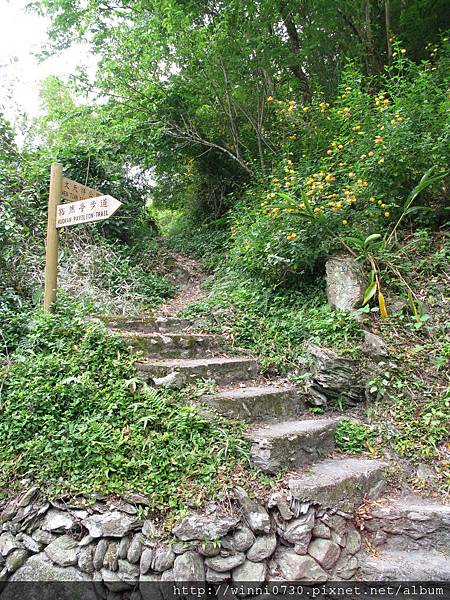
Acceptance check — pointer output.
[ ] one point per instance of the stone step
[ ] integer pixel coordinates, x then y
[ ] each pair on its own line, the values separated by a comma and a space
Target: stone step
255, 403
291, 444
147, 324
341, 483
410, 523
405, 566
175, 345
222, 370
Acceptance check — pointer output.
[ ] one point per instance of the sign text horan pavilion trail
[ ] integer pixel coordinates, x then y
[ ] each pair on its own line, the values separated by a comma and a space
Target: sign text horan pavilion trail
89, 206
86, 211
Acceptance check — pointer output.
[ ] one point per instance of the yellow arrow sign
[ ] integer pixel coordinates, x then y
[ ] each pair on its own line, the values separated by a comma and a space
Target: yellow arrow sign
86, 211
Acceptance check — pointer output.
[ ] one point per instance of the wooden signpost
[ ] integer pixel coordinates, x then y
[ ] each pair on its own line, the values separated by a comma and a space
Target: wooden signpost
89, 206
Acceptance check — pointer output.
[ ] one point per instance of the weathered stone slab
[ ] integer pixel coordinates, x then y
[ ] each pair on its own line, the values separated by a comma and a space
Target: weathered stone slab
411, 523
257, 403
395, 565
201, 527
222, 370
110, 524
291, 444
340, 483
63, 551
346, 282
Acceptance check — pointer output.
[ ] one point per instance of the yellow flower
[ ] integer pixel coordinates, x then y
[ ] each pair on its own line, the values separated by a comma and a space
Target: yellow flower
371, 153
381, 161
387, 213
291, 236
378, 139
386, 101
363, 157
403, 51
344, 222
305, 108
289, 162
351, 175
371, 199
270, 99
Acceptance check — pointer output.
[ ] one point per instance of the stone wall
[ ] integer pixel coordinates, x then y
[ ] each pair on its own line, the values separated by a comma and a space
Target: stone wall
106, 543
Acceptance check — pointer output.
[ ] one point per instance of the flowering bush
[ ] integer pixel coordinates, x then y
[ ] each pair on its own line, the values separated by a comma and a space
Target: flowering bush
346, 168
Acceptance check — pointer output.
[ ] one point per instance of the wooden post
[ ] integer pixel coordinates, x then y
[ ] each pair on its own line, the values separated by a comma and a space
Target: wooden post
51, 253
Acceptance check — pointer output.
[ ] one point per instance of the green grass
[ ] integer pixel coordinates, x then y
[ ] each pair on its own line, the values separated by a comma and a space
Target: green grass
73, 419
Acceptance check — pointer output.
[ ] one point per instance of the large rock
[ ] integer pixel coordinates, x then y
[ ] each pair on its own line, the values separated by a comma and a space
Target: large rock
57, 521
111, 560
263, 548
163, 559
8, 543
256, 515
40, 570
201, 527
222, 564
128, 572
250, 572
111, 524
294, 567
189, 567
16, 559
135, 549
240, 540
334, 377
146, 561
85, 559
325, 552
99, 554
345, 567
299, 531
346, 282
63, 551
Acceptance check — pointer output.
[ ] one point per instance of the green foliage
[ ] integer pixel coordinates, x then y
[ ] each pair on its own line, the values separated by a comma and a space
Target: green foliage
275, 325
186, 83
345, 171
353, 437
72, 419
207, 241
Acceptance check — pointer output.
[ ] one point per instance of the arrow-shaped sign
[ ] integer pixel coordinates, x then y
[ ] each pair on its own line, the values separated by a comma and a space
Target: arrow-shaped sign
86, 211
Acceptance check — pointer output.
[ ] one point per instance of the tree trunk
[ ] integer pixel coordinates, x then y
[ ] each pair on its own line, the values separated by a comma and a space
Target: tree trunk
387, 10
294, 44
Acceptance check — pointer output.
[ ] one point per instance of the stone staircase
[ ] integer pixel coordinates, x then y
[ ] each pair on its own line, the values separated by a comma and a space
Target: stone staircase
285, 437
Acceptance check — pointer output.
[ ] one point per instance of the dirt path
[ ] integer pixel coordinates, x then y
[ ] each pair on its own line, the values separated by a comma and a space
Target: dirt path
187, 275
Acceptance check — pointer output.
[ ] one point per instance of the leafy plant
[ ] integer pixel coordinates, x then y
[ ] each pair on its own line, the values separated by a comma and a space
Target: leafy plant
71, 420
353, 437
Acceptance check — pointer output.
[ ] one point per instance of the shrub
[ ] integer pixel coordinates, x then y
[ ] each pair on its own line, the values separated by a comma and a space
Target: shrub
353, 437
346, 170
72, 419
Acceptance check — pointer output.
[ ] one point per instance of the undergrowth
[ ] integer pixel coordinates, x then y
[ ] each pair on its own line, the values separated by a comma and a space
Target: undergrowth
73, 419
275, 324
